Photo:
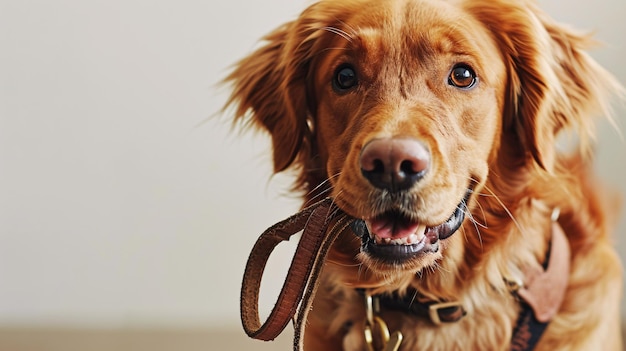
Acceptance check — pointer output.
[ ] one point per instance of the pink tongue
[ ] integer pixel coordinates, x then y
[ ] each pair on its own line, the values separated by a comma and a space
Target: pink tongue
392, 229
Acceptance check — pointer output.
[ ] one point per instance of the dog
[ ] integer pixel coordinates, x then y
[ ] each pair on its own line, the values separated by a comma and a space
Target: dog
438, 126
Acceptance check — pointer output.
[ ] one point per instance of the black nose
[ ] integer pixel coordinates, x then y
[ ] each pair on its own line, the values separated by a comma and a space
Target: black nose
394, 164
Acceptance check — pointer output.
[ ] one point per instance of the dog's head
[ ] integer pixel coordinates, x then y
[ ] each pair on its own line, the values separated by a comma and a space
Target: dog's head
403, 111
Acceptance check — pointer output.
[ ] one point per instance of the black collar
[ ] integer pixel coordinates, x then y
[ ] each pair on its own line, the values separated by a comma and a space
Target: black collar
412, 303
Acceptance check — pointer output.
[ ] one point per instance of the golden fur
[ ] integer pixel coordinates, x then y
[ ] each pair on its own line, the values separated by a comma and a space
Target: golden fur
497, 138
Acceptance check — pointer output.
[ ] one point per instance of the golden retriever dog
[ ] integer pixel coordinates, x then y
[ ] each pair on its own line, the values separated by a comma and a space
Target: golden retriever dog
437, 125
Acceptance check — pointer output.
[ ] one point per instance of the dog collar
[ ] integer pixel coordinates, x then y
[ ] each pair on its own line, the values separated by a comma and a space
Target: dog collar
437, 312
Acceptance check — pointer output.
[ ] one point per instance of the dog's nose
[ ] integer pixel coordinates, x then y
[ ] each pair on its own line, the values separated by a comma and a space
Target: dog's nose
394, 164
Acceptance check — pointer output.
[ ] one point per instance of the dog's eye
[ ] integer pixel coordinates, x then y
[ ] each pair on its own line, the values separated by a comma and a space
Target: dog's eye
345, 78
462, 76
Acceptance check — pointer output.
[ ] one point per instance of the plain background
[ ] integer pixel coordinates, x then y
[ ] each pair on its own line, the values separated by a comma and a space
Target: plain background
124, 201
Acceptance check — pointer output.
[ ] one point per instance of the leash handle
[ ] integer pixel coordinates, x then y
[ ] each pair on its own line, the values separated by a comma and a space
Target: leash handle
307, 300
314, 220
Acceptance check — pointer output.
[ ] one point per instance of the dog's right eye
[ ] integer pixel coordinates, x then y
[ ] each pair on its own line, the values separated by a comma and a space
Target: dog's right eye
344, 79
462, 76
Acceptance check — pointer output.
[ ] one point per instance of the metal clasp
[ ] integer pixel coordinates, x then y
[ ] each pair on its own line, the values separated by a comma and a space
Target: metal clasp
435, 317
375, 324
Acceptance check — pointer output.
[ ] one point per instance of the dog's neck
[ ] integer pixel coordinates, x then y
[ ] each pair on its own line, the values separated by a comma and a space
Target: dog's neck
483, 255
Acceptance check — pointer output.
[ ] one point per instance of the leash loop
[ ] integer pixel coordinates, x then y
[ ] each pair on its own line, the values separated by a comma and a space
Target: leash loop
314, 220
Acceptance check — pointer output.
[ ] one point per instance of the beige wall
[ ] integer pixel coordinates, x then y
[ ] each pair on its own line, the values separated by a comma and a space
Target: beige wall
118, 207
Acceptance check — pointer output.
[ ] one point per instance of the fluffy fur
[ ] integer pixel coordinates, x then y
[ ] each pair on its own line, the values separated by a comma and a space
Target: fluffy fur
498, 138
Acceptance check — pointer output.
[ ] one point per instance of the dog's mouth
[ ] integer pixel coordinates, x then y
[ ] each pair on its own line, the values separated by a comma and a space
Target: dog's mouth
395, 237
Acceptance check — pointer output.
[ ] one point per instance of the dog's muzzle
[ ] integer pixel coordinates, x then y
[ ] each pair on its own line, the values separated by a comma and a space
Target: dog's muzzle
394, 238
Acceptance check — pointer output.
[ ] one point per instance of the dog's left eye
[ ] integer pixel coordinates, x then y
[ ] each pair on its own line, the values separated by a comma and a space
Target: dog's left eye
462, 76
345, 78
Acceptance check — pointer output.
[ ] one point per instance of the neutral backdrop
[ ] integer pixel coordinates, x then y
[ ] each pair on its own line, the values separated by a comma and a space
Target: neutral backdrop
125, 198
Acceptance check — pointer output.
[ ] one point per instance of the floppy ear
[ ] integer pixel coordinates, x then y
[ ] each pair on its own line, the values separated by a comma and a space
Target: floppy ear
553, 84
269, 88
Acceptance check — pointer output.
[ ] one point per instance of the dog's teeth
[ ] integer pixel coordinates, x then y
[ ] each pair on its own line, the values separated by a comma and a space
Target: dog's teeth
411, 239
408, 240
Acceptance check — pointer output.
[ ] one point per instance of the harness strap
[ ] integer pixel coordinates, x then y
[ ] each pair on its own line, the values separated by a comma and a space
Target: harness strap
542, 293
528, 330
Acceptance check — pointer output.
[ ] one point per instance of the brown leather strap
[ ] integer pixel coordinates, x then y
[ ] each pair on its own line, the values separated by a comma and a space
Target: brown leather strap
543, 293
302, 272
300, 322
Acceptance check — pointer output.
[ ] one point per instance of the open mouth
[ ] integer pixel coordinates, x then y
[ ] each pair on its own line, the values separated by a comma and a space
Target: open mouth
395, 237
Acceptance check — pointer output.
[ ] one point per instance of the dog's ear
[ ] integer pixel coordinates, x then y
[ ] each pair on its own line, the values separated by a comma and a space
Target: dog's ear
272, 87
552, 83
269, 92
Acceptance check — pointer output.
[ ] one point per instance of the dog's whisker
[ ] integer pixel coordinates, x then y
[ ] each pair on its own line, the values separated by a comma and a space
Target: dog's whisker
348, 26
506, 210
482, 212
319, 186
346, 264
316, 192
476, 225
338, 32
437, 266
470, 216
484, 195
331, 49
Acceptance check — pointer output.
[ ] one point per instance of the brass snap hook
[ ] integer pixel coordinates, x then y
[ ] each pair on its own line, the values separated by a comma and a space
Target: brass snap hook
376, 325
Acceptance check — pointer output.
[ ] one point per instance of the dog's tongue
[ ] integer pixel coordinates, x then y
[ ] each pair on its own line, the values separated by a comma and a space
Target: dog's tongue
392, 228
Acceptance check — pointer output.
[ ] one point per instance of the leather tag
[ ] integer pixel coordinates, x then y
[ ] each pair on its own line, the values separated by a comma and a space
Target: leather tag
544, 291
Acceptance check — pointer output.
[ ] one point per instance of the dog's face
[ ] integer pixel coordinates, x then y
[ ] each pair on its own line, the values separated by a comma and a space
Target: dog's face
403, 111
408, 110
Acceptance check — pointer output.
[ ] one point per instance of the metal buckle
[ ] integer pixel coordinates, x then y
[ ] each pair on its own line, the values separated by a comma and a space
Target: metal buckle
433, 311
389, 342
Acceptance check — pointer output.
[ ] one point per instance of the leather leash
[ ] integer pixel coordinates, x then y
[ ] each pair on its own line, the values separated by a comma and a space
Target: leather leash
301, 281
